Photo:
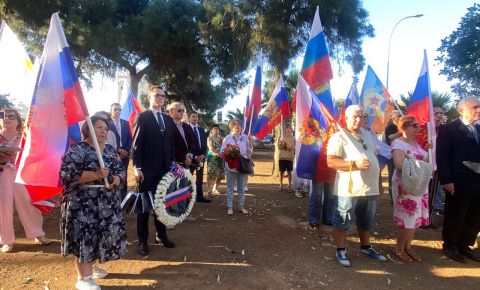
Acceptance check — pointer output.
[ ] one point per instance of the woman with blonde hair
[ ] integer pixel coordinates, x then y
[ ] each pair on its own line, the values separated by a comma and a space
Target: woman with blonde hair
245, 144
409, 211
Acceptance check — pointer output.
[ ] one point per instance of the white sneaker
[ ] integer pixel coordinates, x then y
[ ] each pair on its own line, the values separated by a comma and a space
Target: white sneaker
99, 273
230, 211
243, 210
87, 284
298, 194
191, 219
7, 248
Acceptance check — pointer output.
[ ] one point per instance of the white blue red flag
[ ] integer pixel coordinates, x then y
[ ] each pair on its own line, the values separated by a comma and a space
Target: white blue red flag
255, 104
276, 108
130, 110
376, 102
421, 106
56, 109
177, 196
314, 126
352, 99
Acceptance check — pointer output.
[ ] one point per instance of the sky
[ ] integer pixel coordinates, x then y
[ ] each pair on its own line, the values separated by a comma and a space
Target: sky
410, 38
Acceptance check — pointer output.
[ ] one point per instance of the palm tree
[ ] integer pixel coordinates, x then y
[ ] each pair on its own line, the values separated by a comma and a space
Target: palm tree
442, 100
237, 114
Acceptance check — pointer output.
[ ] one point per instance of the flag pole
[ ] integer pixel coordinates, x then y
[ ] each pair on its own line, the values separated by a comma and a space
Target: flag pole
97, 147
429, 132
283, 127
251, 120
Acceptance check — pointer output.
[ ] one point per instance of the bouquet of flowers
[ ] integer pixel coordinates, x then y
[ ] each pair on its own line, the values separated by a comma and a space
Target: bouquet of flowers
231, 155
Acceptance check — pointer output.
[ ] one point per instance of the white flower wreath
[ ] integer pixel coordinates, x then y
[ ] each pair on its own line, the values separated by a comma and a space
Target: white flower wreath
161, 210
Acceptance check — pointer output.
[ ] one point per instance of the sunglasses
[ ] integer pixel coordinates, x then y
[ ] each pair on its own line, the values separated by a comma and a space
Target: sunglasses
414, 125
364, 146
10, 116
117, 110
180, 110
160, 95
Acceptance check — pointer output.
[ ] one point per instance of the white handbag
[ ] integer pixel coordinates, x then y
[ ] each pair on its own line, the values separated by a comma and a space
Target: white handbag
416, 175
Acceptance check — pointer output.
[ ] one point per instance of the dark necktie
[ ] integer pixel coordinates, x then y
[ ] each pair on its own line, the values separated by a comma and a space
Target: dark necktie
197, 137
160, 122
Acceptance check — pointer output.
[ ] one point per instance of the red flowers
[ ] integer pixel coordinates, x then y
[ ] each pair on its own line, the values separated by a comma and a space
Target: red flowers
231, 155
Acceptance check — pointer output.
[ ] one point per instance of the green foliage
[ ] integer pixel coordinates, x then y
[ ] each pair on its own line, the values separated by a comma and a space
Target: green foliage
5, 102
443, 100
460, 54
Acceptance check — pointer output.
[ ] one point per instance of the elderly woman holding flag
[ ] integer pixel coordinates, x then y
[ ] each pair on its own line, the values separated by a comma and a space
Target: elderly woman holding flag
92, 227
12, 193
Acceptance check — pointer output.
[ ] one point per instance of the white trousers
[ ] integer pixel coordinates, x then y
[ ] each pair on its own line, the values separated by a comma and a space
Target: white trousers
13, 193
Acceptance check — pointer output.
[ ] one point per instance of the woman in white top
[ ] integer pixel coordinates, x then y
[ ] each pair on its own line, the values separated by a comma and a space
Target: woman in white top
245, 144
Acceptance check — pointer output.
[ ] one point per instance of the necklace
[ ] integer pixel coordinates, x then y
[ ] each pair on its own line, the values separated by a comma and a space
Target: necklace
360, 140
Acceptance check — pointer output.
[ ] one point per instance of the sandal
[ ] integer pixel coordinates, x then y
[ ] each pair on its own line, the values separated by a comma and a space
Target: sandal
403, 256
43, 240
209, 194
413, 255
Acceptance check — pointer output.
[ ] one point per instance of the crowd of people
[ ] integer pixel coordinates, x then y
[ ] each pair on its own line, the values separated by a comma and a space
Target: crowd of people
346, 192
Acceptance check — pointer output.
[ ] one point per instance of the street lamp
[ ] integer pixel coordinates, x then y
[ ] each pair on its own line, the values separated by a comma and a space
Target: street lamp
390, 41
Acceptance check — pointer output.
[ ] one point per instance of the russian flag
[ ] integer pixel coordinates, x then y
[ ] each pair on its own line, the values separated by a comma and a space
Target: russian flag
421, 106
255, 104
316, 67
276, 108
352, 99
52, 125
245, 112
376, 101
314, 126
130, 110
177, 196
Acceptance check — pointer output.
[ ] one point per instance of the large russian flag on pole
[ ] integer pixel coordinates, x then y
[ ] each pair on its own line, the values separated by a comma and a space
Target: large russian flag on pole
130, 110
255, 105
376, 102
276, 108
421, 106
57, 107
316, 68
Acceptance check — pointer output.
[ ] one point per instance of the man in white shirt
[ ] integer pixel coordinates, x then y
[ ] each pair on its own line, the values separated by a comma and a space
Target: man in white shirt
352, 153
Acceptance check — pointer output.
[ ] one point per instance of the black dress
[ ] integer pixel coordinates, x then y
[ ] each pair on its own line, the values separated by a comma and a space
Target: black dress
92, 226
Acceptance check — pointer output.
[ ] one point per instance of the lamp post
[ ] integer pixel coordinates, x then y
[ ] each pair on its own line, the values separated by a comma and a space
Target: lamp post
390, 40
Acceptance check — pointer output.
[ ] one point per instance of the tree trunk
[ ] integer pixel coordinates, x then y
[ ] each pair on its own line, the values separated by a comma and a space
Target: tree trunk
276, 154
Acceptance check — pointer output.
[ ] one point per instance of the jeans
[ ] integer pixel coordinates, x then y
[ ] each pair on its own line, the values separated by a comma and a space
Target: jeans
321, 203
439, 197
238, 179
382, 161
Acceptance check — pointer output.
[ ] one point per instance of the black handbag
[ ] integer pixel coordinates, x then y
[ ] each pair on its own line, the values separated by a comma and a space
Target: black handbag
245, 165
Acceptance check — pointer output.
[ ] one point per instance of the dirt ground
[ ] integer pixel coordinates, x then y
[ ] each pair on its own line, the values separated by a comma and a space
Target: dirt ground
272, 248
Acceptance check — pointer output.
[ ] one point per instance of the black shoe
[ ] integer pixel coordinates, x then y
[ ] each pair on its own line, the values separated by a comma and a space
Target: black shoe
203, 199
453, 253
168, 244
469, 253
143, 249
438, 212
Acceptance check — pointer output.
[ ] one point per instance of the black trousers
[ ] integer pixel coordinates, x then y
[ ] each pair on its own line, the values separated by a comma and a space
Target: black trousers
149, 183
198, 180
461, 222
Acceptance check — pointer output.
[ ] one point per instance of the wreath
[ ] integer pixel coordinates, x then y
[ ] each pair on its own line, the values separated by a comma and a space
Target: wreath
163, 200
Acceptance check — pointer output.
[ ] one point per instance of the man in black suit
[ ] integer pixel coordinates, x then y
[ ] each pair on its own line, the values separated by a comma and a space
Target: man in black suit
153, 154
200, 152
457, 142
184, 143
123, 136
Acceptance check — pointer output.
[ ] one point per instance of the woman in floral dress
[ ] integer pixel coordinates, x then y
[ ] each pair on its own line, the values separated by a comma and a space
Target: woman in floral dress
410, 211
215, 170
92, 227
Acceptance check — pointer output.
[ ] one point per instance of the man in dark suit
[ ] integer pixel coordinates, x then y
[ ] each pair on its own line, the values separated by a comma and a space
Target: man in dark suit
123, 136
199, 155
153, 154
457, 142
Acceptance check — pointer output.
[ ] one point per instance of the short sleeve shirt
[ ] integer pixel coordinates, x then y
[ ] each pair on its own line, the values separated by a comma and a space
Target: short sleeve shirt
364, 182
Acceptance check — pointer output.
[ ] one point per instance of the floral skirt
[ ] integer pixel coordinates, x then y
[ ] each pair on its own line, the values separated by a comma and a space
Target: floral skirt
215, 169
409, 211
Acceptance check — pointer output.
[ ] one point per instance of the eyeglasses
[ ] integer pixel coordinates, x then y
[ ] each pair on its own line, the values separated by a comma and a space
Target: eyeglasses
364, 146
180, 110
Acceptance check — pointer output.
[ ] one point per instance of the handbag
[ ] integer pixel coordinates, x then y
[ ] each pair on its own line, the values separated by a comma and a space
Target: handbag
138, 202
416, 175
245, 165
